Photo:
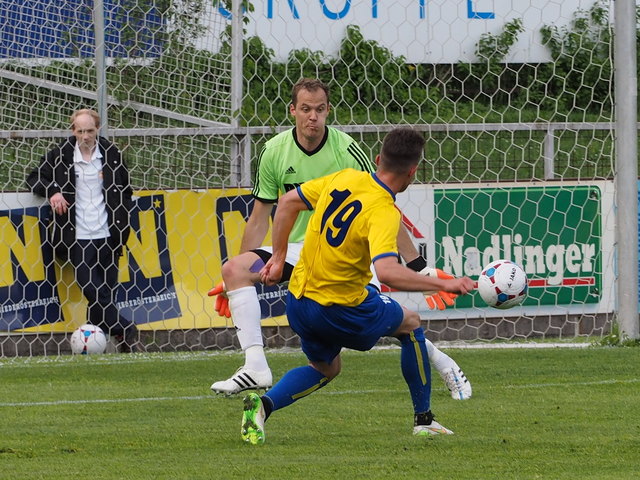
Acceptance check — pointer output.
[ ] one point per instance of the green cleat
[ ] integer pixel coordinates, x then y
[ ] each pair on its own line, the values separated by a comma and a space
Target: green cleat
253, 420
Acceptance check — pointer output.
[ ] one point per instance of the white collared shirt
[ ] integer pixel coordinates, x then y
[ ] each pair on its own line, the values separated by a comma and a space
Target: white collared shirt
91, 212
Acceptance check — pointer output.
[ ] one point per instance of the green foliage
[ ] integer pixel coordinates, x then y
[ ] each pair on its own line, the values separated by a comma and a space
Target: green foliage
369, 76
364, 78
617, 338
580, 77
134, 34
492, 49
371, 85
261, 82
185, 16
575, 86
488, 81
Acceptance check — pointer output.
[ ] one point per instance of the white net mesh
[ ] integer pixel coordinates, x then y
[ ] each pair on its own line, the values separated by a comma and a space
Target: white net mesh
515, 101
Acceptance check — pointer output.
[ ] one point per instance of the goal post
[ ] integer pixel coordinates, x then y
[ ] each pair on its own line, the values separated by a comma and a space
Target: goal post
627, 154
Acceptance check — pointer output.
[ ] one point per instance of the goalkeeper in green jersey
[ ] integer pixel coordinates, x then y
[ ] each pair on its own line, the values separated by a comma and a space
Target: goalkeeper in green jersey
309, 150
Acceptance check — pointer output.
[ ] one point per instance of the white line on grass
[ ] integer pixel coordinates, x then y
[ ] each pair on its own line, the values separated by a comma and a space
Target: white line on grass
323, 392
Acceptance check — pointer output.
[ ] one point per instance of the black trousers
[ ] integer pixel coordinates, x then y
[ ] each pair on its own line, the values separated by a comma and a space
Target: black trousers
96, 271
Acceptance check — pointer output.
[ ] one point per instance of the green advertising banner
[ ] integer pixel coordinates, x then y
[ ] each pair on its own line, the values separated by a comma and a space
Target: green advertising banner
553, 232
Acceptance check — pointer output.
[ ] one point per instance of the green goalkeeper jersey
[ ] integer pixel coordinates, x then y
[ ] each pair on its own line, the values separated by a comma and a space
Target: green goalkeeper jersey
284, 165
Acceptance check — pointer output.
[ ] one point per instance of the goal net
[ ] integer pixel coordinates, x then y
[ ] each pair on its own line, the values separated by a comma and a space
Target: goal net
515, 101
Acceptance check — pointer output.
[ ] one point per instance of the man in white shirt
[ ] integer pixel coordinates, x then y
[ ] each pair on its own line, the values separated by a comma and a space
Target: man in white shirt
87, 184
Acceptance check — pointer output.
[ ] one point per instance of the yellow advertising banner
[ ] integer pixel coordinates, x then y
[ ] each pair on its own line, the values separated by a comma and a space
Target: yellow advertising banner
178, 242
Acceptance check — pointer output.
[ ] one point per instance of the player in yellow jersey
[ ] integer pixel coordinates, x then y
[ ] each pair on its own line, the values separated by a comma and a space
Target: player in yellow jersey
309, 150
330, 305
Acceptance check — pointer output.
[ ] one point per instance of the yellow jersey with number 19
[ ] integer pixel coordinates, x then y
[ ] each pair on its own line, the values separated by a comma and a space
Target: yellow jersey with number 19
354, 223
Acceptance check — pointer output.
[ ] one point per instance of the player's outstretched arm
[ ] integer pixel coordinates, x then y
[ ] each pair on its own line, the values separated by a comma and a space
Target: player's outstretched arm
397, 276
257, 226
289, 206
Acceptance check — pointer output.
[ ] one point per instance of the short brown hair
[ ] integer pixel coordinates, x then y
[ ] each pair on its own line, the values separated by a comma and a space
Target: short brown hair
402, 149
85, 111
310, 84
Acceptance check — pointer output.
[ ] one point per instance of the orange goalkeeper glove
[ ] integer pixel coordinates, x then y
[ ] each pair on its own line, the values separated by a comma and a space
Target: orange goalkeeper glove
440, 299
222, 301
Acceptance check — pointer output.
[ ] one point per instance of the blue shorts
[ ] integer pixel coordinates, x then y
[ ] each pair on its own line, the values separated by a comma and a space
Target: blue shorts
324, 331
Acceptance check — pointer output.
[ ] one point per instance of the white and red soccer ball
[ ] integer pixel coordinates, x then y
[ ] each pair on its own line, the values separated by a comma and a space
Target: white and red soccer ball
88, 339
503, 284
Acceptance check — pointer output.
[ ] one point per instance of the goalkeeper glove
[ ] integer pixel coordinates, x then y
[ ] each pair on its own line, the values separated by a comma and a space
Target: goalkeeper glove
440, 299
222, 301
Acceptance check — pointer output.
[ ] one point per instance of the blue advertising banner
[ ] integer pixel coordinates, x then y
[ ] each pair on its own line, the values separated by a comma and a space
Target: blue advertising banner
178, 243
28, 296
149, 295
37, 29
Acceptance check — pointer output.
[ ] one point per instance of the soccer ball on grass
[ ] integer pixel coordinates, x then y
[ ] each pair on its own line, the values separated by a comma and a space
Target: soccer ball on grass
88, 339
503, 284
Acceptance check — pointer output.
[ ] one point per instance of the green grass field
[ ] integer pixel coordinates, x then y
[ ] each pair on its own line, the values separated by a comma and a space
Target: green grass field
535, 413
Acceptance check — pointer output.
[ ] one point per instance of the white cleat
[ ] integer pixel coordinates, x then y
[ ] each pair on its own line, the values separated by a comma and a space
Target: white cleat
434, 428
428, 426
457, 383
244, 379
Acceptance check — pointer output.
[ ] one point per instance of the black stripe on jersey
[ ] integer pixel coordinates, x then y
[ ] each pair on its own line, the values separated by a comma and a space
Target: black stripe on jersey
356, 152
265, 200
256, 183
291, 186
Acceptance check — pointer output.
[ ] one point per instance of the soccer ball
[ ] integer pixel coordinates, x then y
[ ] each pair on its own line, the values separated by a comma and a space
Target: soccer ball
503, 284
88, 339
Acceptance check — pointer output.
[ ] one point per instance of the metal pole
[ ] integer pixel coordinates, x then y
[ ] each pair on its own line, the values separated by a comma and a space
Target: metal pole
101, 72
238, 169
626, 98
549, 153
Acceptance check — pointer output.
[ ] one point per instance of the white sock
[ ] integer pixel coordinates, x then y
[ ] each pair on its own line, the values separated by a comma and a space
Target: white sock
255, 358
245, 311
438, 359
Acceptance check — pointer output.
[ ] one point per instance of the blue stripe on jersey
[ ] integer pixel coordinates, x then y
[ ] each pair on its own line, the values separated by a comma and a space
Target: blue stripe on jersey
360, 157
302, 197
383, 255
383, 185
